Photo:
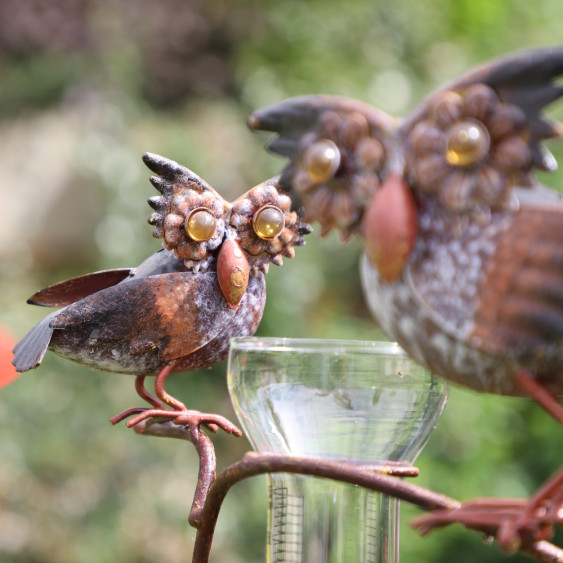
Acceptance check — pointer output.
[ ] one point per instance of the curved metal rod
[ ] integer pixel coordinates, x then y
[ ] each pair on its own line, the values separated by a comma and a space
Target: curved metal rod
258, 463
205, 451
384, 478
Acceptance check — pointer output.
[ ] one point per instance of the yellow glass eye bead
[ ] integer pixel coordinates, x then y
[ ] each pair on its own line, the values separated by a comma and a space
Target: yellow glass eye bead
321, 160
468, 142
200, 225
268, 222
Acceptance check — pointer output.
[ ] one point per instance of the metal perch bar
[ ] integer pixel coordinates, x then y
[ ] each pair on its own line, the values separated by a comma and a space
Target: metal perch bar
384, 478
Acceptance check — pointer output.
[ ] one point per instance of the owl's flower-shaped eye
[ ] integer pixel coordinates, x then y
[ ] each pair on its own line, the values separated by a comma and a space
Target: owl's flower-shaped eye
470, 149
192, 225
265, 226
337, 170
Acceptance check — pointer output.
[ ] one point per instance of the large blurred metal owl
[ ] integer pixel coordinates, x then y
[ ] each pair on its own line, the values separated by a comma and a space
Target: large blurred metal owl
464, 246
178, 310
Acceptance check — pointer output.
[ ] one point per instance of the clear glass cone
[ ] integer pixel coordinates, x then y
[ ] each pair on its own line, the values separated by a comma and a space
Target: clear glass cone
357, 401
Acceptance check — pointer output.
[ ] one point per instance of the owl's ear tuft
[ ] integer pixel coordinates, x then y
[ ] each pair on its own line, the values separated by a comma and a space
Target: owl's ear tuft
189, 215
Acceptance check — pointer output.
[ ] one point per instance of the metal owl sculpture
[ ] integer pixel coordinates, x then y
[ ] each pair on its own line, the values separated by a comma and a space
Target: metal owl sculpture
178, 310
463, 261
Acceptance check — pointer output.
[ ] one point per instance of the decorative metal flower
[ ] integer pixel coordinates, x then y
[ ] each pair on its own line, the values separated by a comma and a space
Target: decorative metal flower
265, 227
192, 224
337, 170
470, 149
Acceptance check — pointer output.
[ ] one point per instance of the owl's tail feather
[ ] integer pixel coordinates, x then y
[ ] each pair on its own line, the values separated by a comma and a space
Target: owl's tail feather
30, 350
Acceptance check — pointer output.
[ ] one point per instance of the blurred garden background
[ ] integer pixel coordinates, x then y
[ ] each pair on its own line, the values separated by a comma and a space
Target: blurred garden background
86, 87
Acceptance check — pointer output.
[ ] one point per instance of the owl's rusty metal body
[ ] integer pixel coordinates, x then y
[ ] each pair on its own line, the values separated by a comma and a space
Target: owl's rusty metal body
471, 308
160, 312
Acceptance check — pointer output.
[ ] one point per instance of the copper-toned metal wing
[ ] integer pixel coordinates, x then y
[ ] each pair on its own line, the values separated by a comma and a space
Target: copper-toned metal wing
172, 313
69, 291
161, 262
498, 288
520, 305
337, 151
189, 215
480, 136
30, 350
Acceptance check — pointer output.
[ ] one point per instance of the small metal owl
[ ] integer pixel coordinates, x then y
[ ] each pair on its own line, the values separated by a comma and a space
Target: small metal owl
178, 310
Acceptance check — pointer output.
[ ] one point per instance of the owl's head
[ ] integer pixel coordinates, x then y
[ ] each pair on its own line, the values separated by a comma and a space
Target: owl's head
468, 147
207, 232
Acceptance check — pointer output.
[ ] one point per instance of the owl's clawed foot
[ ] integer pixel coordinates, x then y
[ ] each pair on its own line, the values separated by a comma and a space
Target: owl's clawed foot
168, 408
514, 523
537, 516
185, 417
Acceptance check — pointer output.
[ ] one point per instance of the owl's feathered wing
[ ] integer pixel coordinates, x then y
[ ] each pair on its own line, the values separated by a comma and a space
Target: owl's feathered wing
172, 313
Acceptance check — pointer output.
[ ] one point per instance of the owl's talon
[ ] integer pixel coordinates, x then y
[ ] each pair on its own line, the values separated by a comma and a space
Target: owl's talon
213, 422
177, 413
126, 414
513, 523
191, 418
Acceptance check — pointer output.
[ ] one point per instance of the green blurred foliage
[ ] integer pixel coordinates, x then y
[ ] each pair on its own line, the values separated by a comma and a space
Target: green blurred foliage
85, 88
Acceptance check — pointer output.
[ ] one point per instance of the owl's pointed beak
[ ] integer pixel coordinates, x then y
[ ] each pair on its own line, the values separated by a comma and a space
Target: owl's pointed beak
233, 272
390, 227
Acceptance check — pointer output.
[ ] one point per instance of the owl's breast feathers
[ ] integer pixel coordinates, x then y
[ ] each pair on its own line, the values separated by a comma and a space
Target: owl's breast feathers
495, 289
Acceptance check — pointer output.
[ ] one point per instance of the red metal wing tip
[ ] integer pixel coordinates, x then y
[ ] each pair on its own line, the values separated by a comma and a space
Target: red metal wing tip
70, 291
